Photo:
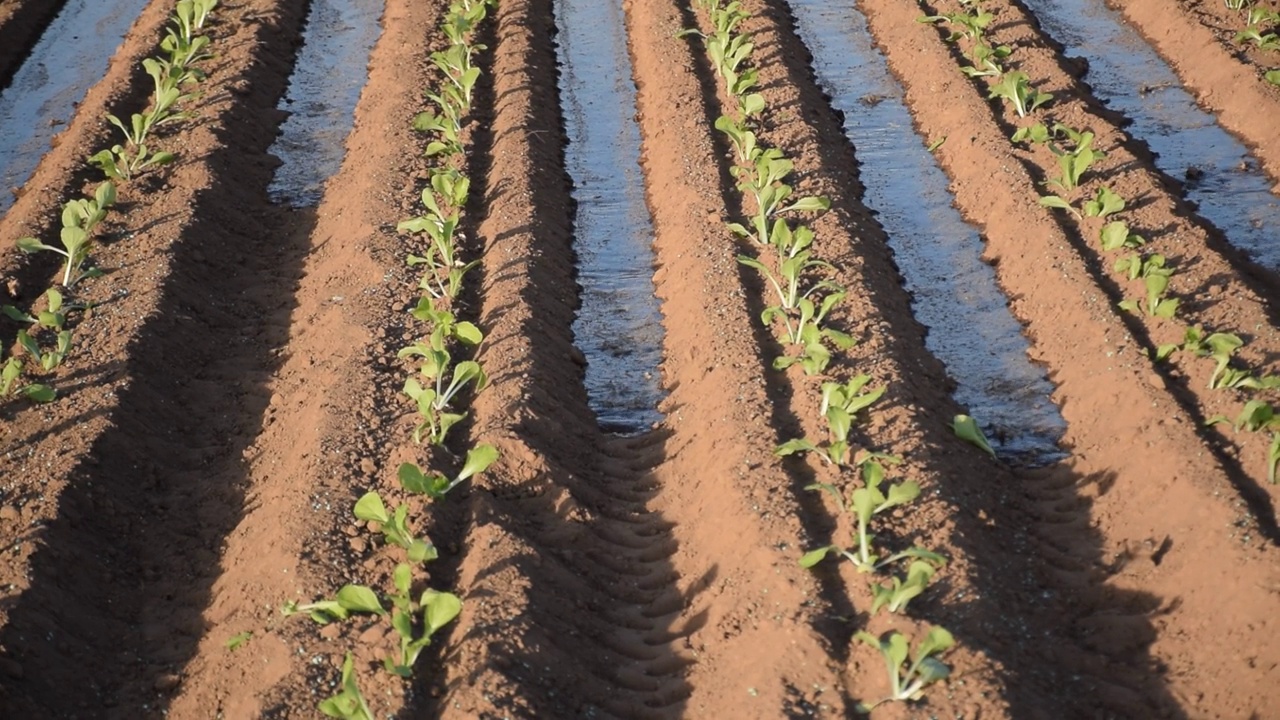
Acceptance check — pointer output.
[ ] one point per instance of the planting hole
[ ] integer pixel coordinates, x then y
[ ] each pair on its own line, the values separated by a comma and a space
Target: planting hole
71, 55
1221, 176
955, 293
327, 79
618, 327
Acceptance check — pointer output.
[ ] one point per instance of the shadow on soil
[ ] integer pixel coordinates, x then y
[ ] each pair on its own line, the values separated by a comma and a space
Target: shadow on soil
122, 577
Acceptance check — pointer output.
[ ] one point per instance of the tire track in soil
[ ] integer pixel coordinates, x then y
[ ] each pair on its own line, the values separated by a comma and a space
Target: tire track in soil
21, 23
139, 480
1167, 523
593, 562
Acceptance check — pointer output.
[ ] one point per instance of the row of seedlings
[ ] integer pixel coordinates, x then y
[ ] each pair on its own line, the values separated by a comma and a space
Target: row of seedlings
806, 294
46, 339
1147, 274
436, 387
1262, 30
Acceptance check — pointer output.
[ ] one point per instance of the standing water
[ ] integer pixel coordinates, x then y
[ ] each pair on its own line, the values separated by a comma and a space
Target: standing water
70, 56
326, 83
955, 293
1232, 191
618, 327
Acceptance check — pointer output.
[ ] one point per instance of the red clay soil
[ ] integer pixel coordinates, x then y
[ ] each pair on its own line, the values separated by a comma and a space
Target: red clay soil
1198, 41
242, 392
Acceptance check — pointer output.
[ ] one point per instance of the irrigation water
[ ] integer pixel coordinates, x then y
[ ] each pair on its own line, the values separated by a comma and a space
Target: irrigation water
330, 73
618, 327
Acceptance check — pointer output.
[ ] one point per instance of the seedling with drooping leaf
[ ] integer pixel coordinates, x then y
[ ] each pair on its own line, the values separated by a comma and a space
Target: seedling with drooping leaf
969, 25
1219, 346
1075, 162
1135, 266
925, 667
1103, 204
1157, 305
966, 428
436, 485
350, 599
986, 60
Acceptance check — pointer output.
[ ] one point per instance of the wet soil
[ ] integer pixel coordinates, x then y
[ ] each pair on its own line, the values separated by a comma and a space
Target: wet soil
241, 391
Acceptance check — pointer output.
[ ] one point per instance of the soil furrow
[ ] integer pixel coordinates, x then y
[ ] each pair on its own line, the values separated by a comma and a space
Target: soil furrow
1160, 503
1232, 89
129, 502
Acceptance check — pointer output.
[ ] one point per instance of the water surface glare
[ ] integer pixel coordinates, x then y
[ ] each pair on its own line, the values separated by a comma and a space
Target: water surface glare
618, 328
1126, 73
70, 56
954, 293
327, 79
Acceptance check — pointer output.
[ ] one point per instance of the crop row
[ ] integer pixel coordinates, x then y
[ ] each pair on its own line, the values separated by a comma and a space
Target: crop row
805, 299
45, 341
1261, 30
1146, 275
439, 384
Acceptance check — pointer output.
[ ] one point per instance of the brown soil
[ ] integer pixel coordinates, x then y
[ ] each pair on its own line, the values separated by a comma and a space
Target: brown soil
240, 392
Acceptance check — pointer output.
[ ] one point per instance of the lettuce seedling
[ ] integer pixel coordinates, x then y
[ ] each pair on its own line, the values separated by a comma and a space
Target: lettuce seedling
11, 373
436, 485
1157, 305
437, 608
1115, 235
348, 704
744, 141
1135, 266
1103, 204
895, 596
924, 670
1015, 88
79, 218
1037, 133
1073, 163
964, 25
966, 428
350, 599
865, 503
394, 526
986, 60
1272, 77
1219, 346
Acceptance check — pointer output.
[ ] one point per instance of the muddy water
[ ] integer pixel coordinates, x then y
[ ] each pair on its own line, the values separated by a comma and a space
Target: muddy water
71, 55
618, 327
1128, 75
329, 75
954, 293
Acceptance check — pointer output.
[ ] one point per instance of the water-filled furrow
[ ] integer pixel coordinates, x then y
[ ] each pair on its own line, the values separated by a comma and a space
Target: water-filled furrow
71, 55
955, 294
1222, 177
618, 328
327, 79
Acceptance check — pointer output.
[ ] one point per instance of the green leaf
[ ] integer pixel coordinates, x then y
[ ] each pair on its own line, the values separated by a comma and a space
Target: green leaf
936, 143
966, 428
239, 639
440, 609
359, 598
1053, 201
39, 393
479, 459
371, 509
1272, 77
348, 704
813, 557
792, 447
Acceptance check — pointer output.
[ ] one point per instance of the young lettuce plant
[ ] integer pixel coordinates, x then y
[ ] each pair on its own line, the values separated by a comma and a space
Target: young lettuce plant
394, 526
1073, 163
1115, 235
348, 704
925, 667
436, 485
841, 403
11, 373
865, 503
895, 596
1157, 305
966, 428
969, 25
350, 599
437, 610
1015, 88
79, 219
